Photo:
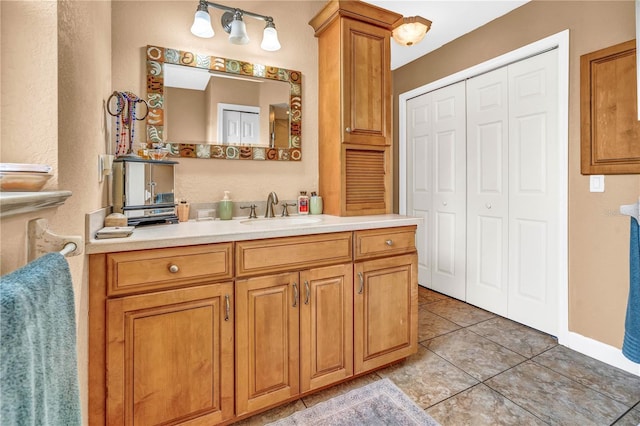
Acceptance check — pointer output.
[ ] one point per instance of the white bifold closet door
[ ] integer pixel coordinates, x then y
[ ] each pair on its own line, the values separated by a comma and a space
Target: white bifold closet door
436, 168
512, 198
488, 191
482, 170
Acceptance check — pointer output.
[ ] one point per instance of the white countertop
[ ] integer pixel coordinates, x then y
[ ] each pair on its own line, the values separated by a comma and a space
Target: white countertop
241, 229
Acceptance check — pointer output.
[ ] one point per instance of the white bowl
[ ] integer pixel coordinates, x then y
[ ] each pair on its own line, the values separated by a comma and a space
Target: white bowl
23, 181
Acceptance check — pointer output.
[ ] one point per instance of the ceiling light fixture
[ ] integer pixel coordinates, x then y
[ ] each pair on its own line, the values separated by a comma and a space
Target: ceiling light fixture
233, 24
412, 30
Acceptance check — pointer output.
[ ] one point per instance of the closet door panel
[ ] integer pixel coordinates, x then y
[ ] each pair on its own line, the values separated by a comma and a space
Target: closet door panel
487, 191
420, 179
533, 194
449, 190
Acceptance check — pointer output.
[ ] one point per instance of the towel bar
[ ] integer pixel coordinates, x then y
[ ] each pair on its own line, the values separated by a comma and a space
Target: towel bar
41, 241
632, 210
68, 249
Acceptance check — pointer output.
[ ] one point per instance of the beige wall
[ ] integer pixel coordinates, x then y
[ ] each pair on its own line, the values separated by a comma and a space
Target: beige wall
54, 82
166, 24
598, 235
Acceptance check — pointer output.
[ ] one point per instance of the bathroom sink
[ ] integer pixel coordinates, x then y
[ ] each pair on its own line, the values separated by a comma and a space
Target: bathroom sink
285, 221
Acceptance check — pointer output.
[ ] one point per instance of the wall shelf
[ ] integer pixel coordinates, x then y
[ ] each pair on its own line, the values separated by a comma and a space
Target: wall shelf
13, 203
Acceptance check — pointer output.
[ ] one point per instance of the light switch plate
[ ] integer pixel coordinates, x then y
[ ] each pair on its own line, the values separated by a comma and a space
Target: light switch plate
596, 183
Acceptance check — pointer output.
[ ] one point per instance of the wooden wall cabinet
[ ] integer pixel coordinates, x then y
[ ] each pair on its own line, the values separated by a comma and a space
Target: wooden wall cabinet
610, 130
355, 104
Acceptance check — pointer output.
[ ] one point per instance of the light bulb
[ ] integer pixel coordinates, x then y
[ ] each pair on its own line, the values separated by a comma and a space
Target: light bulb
238, 34
270, 38
202, 24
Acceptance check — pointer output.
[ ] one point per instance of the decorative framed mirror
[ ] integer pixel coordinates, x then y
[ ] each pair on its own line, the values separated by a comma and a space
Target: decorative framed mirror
203, 106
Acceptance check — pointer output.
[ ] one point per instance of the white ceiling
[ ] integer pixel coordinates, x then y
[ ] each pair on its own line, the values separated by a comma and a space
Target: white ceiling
450, 20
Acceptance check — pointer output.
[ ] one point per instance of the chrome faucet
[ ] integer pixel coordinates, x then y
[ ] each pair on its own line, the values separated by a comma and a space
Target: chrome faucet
272, 200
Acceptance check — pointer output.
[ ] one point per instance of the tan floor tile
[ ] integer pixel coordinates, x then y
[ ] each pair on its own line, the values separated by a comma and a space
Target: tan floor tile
459, 312
429, 296
601, 377
554, 398
431, 325
632, 418
474, 354
480, 406
428, 379
519, 338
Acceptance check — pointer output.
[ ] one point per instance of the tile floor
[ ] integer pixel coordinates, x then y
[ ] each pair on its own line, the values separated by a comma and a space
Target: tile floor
476, 368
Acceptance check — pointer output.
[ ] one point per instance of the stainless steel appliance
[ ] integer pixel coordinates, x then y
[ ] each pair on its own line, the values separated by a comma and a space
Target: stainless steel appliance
143, 190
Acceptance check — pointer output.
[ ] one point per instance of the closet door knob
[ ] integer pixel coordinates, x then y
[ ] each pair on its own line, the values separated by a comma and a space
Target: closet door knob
173, 268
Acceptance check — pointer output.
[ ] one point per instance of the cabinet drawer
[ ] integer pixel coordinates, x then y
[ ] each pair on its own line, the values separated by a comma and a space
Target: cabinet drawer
143, 270
384, 242
292, 253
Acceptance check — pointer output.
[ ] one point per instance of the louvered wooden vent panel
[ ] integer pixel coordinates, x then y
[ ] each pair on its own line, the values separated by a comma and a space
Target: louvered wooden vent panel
365, 179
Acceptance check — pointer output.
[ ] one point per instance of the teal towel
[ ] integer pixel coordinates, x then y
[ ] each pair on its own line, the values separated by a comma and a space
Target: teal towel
38, 374
631, 343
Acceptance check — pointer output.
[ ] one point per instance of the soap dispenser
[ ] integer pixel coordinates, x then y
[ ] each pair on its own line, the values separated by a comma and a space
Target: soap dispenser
303, 203
225, 207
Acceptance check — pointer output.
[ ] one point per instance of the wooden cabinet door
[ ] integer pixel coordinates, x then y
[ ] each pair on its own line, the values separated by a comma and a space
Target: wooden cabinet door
326, 326
385, 311
366, 94
170, 357
267, 340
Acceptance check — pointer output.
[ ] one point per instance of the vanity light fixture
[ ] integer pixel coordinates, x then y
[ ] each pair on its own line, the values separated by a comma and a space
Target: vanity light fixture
412, 30
233, 24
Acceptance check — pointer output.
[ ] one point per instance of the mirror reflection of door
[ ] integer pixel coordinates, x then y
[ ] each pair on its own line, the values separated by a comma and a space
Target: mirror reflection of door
238, 124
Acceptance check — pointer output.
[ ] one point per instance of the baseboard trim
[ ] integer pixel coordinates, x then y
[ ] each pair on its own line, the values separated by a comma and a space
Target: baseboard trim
600, 351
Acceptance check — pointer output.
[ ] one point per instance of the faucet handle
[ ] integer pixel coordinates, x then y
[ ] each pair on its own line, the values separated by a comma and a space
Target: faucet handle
285, 211
252, 212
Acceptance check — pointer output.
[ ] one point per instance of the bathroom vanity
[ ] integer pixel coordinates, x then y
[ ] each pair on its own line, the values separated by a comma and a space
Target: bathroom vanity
210, 322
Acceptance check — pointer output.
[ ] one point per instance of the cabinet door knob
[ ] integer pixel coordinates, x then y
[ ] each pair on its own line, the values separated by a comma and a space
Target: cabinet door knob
488, 205
444, 203
348, 130
173, 268
389, 242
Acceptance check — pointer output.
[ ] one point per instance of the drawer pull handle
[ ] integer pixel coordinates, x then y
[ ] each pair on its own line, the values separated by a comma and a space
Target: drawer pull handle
307, 290
295, 294
361, 283
389, 242
227, 307
173, 268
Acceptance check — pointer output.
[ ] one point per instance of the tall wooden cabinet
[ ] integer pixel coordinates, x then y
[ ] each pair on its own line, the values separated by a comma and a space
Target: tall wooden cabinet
355, 103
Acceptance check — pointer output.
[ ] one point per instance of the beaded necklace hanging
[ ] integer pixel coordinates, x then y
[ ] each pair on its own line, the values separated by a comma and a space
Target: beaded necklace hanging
126, 117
